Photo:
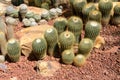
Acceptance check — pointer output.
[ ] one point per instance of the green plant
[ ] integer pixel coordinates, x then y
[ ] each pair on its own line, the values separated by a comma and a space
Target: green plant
92, 30
29, 14
75, 25
60, 24
66, 40
45, 5
17, 2
14, 50
37, 17
39, 46
3, 42
68, 56
79, 60
95, 15
38, 3
85, 46
51, 40
26, 22
86, 10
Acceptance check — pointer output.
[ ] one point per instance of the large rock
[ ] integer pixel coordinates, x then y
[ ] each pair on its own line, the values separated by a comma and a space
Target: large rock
27, 35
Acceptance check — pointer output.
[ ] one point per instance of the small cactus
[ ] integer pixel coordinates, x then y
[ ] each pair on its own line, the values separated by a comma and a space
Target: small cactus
92, 30
66, 40
3, 42
78, 6
45, 6
37, 17
23, 10
79, 60
105, 6
60, 24
75, 25
68, 56
29, 14
95, 15
85, 46
51, 40
26, 22
86, 10
53, 13
46, 15
39, 47
14, 50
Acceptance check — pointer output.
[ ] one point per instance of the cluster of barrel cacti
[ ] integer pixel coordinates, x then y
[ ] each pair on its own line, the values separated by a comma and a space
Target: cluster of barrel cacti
98, 10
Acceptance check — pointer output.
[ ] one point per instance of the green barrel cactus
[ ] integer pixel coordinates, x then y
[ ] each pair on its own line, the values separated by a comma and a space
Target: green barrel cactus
45, 5
37, 17
75, 25
46, 15
38, 3
3, 42
60, 24
51, 37
105, 6
92, 30
95, 15
17, 2
68, 56
86, 10
14, 50
29, 14
23, 10
39, 47
85, 46
66, 40
79, 60
116, 16
78, 6
26, 22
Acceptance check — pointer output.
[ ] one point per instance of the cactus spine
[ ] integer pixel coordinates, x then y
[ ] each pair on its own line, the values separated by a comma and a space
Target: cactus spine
39, 47
79, 60
67, 56
95, 15
75, 25
92, 30
105, 6
14, 50
85, 46
66, 40
51, 40
60, 24
3, 42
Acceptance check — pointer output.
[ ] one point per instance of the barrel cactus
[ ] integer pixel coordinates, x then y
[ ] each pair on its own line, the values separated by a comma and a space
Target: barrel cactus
78, 6
116, 16
23, 10
75, 25
92, 30
51, 40
29, 14
85, 46
45, 5
68, 56
14, 50
66, 40
79, 60
39, 46
26, 22
46, 15
60, 24
105, 6
95, 15
3, 42
38, 3
86, 10
37, 17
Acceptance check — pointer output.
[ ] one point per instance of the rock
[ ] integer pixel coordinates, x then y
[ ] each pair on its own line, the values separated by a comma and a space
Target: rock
47, 68
27, 35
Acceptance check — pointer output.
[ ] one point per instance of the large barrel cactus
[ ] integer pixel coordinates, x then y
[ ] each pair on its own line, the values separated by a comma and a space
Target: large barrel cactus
60, 24
85, 46
79, 60
116, 16
68, 56
66, 40
105, 6
51, 37
14, 50
3, 42
75, 25
92, 30
39, 47
78, 6
95, 15
86, 10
